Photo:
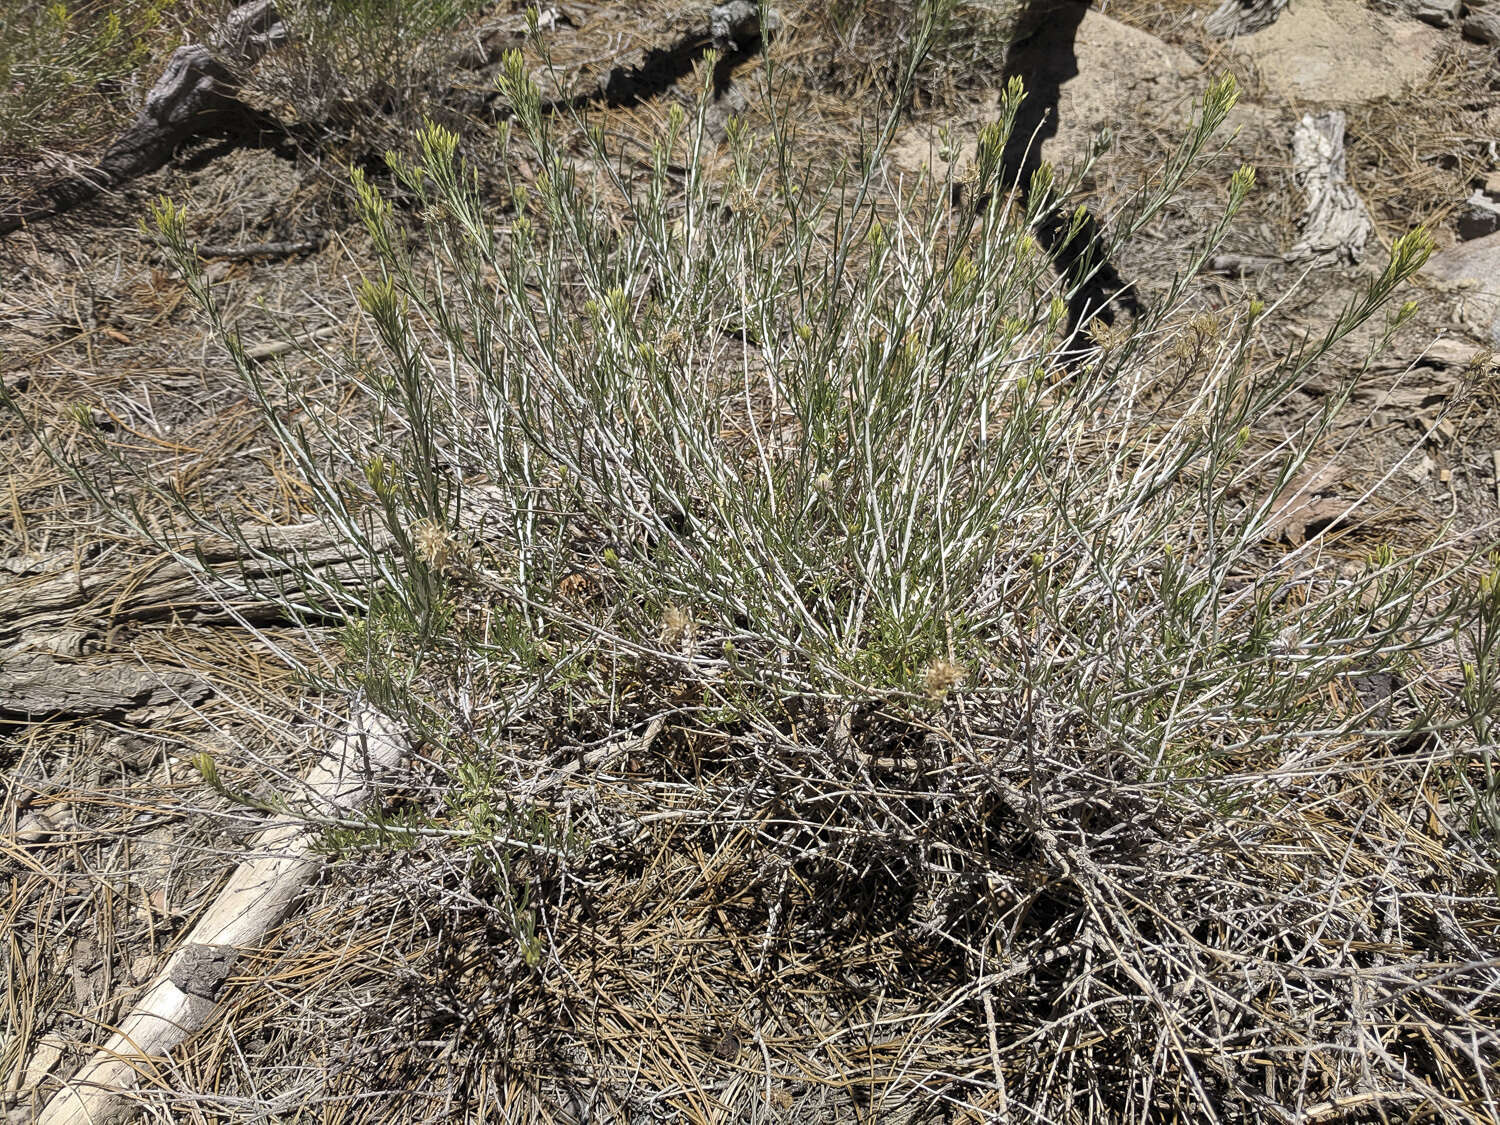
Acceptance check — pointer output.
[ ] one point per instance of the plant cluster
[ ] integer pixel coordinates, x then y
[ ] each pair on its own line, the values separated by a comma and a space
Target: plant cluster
63, 66
758, 554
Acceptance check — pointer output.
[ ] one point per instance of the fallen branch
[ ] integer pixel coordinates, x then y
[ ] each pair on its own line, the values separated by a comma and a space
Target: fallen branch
183, 996
734, 29
1241, 265
273, 348
262, 250
1482, 21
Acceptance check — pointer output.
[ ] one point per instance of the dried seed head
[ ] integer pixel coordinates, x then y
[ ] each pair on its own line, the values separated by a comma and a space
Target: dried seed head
575, 587
434, 544
1206, 325
940, 677
676, 623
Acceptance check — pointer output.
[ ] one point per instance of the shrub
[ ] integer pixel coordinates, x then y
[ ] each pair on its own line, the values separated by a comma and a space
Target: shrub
353, 64
766, 563
64, 67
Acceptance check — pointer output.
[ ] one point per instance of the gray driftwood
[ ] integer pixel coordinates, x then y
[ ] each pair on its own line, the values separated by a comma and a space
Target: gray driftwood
62, 594
196, 94
37, 684
58, 613
1242, 17
1335, 224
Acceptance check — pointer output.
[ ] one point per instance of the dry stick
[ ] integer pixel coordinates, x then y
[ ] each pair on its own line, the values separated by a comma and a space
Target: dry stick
594, 759
183, 996
1241, 265
273, 348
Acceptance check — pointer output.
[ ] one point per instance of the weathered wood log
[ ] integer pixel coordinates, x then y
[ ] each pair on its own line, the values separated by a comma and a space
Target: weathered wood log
1242, 17
735, 29
195, 95
183, 996
249, 31
57, 613
1335, 224
37, 685
61, 593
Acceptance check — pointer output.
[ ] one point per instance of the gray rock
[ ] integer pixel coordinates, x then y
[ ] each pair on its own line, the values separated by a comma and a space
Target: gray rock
1482, 24
1439, 13
1479, 218
1471, 270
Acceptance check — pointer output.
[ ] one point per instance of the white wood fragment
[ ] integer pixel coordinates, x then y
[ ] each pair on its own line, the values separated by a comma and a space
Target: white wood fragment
257, 897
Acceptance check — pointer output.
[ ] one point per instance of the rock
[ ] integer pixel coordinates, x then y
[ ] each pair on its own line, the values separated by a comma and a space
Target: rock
1439, 13
1472, 269
1448, 352
1483, 24
1340, 52
1101, 92
1479, 218
1108, 89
